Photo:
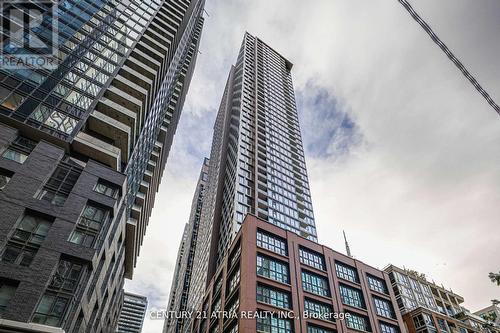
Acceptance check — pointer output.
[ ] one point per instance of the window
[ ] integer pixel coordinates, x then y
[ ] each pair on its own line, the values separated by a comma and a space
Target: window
351, 296
19, 149
13, 101
426, 289
357, 322
346, 272
26, 239
60, 183
377, 284
318, 329
402, 279
418, 321
442, 325
415, 284
51, 309
270, 324
218, 285
106, 188
234, 281
7, 290
272, 269
271, 242
66, 276
383, 307
273, 297
325, 311
55, 119
234, 305
89, 225
5, 177
315, 284
233, 328
61, 290
388, 328
311, 258
216, 305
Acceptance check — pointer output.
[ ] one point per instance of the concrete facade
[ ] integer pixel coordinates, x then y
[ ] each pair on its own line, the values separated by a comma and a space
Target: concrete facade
132, 313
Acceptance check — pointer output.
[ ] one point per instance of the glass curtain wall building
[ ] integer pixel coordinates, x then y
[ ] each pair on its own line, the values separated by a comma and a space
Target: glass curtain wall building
181, 282
82, 151
256, 161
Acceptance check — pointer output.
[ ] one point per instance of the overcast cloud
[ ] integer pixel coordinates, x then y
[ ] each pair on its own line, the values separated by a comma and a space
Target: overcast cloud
402, 152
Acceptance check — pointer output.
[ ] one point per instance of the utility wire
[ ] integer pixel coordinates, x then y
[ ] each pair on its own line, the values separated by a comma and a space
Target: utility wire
450, 55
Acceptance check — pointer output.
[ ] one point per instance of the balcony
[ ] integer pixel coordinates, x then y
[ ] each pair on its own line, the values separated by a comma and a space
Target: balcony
99, 150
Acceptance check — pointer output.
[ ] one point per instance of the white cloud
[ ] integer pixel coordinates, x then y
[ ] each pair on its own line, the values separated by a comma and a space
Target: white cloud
423, 188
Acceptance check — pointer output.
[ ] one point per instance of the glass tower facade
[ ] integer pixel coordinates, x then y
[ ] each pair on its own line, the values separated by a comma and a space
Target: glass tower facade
181, 282
83, 145
257, 160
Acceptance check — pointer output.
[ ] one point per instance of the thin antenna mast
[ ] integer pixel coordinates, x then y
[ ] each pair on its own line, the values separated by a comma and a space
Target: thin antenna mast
347, 249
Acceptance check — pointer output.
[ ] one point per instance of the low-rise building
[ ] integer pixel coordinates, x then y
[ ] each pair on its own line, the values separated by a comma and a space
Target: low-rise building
427, 307
273, 280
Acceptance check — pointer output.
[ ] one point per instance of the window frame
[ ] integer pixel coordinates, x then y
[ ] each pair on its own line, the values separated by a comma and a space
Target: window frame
377, 284
281, 248
308, 278
343, 296
115, 189
284, 273
387, 310
342, 271
312, 258
275, 297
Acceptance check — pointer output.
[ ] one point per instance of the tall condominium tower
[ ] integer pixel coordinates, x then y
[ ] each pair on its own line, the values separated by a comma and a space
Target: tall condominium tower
83, 145
181, 281
256, 162
132, 313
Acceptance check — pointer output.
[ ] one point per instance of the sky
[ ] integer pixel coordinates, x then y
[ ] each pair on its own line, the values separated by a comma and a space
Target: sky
402, 153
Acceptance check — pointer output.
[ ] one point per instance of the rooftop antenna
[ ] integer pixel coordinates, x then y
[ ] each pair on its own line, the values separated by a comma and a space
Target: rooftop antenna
347, 249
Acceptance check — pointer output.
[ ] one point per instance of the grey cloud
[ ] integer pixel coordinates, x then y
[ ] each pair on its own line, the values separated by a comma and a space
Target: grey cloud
422, 190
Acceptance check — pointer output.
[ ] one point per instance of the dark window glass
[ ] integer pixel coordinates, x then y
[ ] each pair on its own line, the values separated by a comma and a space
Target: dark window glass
357, 322
351, 296
107, 188
19, 149
315, 284
26, 239
7, 291
317, 329
383, 307
325, 311
234, 281
89, 225
388, 328
273, 297
346, 272
312, 258
5, 177
272, 269
377, 284
271, 242
60, 184
51, 309
270, 324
